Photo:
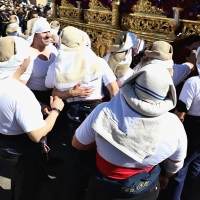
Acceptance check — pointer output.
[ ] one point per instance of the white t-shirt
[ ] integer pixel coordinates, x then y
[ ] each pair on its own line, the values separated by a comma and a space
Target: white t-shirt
20, 111
172, 144
106, 77
190, 95
129, 73
181, 71
37, 70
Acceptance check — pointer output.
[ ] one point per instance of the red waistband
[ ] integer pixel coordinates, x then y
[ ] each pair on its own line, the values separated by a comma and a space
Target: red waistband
116, 172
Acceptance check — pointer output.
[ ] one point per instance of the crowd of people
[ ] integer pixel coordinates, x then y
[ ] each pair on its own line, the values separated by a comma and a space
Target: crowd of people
21, 12
131, 137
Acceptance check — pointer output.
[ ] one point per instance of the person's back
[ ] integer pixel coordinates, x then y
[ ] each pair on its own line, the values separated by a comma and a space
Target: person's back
133, 133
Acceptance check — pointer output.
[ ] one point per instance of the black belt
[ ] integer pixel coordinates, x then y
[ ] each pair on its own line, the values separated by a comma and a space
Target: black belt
20, 137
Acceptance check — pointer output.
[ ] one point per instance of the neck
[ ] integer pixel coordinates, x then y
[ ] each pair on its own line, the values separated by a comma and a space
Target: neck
38, 47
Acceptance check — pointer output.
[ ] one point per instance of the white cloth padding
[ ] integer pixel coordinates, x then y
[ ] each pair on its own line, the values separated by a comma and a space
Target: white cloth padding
173, 166
198, 64
22, 49
131, 42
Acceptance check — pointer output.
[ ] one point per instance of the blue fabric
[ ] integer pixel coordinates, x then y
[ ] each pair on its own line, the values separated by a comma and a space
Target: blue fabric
130, 187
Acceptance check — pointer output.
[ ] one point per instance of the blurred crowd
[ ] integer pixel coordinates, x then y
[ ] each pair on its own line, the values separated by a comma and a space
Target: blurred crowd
14, 12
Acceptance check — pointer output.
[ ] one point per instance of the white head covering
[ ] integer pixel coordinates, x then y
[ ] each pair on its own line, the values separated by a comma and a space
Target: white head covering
8, 68
37, 25
198, 60
55, 26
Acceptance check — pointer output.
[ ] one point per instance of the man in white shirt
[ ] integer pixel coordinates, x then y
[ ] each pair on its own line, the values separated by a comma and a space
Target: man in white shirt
22, 126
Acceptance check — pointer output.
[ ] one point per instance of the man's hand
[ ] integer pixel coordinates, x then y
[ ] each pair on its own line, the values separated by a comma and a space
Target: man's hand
163, 181
54, 39
56, 102
81, 91
45, 110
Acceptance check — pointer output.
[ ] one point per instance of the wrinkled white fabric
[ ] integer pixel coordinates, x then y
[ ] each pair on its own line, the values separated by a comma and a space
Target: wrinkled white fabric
9, 67
40, 26
131, 42
198, 64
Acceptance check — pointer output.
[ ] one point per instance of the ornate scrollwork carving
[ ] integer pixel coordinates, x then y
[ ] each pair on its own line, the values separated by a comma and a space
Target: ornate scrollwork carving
98, 17
190, 28
146, 7
69, 13
66, 3
146, 24
95, 4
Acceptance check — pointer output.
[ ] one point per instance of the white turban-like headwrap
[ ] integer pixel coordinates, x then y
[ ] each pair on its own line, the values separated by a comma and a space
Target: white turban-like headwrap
8, 68
41, 25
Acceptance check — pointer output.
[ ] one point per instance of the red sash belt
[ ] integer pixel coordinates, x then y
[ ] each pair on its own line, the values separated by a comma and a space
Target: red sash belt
116, 172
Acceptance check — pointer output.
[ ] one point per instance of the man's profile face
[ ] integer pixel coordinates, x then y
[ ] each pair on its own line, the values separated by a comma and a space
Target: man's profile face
42, 39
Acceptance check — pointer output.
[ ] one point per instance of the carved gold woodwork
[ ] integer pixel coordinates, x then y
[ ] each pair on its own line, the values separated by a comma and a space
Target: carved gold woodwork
144, 6
67, 10
97, 14
103, 25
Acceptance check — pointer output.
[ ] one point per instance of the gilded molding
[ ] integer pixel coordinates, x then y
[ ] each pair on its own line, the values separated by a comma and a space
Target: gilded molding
95, 4
103, 25
145, 6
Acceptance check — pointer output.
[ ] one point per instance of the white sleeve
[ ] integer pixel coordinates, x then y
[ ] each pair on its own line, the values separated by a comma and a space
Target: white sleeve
27, 74
180, 73
181, 150
129, 73
50, 77
28, 112
108, 75
84, 133
19, 31
187, 93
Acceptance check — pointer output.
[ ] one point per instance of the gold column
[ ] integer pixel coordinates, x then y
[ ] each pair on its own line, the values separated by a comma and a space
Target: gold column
115, 13
79, 10
54, 9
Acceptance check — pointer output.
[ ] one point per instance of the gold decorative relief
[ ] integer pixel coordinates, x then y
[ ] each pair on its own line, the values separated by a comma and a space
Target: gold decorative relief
69, 13
95, 4
103, 25
66, 3
145, 6
97, 17
190, 28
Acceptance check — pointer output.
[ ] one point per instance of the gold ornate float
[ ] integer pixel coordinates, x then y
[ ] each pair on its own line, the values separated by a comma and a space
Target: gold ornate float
102, 24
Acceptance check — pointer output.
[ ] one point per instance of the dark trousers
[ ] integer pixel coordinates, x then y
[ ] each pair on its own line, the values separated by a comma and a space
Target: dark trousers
80, 161
184, 183
25, 161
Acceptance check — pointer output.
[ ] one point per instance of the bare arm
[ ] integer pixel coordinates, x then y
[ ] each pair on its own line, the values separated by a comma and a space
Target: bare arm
77, 91
39, 134
169, 169
80, 146
113, 88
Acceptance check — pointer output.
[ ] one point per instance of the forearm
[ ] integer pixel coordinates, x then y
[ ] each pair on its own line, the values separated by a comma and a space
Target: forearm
62, 94
113, 88
39, 134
